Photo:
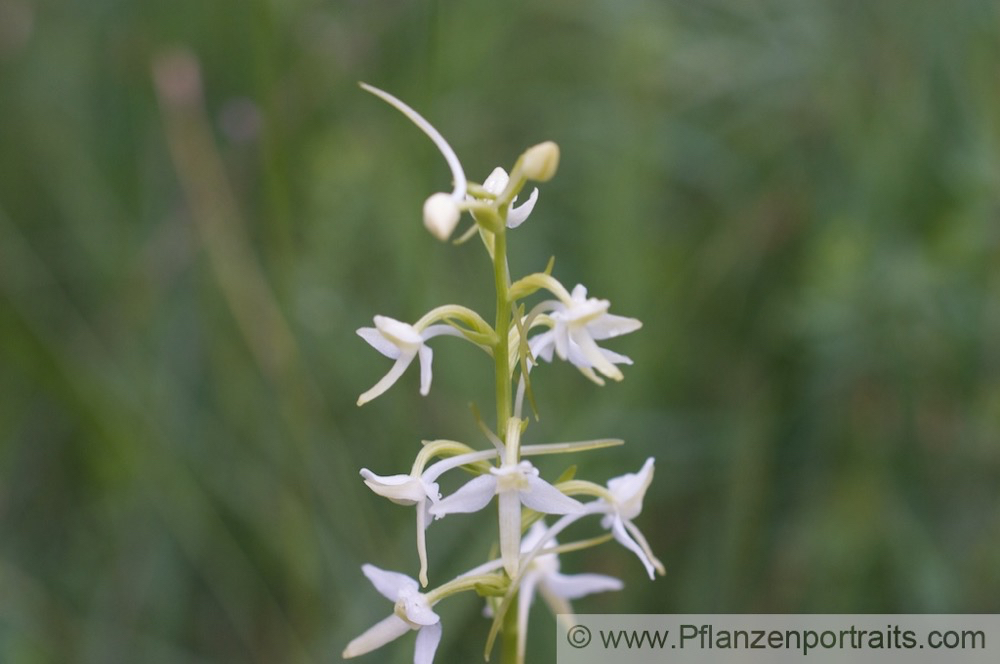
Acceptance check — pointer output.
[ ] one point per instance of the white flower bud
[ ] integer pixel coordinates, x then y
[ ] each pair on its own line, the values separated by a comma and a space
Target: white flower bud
441, 215
540, 162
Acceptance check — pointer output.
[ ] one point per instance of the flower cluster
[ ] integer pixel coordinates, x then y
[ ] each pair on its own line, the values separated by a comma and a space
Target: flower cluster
566, 325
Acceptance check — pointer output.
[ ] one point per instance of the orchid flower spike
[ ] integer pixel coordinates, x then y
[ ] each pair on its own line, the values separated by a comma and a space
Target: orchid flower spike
496, 183
542, 575
402, 342
577, 323
412, 611
515, 484
441, 211
627, 492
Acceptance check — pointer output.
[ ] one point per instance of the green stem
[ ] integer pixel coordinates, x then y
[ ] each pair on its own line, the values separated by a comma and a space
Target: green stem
501, 355
501, 358
508, 647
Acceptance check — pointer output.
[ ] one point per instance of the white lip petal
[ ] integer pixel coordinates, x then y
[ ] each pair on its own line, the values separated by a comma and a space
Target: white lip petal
422, 522
389, 584
387, 380
386, 630
510, 530
473, 496
428, 639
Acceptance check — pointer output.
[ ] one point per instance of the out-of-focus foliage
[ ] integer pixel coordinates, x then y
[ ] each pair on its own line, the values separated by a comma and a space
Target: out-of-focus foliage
799, 199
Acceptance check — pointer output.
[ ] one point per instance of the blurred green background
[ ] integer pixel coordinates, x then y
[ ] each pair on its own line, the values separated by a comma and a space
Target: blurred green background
799, 199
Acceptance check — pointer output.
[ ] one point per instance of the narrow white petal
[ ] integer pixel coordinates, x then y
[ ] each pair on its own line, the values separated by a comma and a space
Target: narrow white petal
387, 380
542, 345
543, 497
376, 636
618, 530
378, 342
510, 530
644, 545
473, 496
389, 584
457, 174
428, 639
616, 358
591, 376
426, 356
610, 325
561, 331
575, 586
577, 357
517, 215
594, 356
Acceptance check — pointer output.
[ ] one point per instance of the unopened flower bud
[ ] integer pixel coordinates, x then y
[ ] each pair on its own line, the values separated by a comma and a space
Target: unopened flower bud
540, 162
441, 215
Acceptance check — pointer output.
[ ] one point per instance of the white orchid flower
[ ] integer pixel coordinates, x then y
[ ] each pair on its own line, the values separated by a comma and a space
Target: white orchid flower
542, 575
496, 183
514, 484
402, 342
408, 490
577, 324
422, 491
627, 492
412, 611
